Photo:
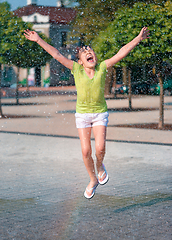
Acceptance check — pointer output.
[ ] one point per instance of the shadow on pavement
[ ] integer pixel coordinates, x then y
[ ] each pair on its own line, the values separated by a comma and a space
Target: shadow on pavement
131, 109
166, 127
9, 116
25, 104
115, 110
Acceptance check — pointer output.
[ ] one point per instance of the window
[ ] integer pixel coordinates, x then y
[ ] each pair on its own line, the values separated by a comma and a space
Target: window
35, 19
64, 38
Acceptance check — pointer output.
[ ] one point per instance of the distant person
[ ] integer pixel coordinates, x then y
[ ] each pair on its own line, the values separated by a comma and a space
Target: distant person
91, 108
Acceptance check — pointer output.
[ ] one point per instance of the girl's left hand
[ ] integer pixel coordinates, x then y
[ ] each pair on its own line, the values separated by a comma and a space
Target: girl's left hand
144, 33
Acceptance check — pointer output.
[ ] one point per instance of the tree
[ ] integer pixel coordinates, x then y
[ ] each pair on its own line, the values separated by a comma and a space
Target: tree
127, 24
94, 16
4, 13
23, 53
15, 48
91, 17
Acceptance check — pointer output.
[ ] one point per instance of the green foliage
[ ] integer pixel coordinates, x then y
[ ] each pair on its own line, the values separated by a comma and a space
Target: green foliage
91, 17
94, 16
127, 25
14, 47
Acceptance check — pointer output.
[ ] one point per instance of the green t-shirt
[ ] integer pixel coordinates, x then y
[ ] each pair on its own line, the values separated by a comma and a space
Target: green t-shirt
90, 92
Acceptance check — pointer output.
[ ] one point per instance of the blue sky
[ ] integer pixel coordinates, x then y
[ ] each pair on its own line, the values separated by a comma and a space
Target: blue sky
20, 3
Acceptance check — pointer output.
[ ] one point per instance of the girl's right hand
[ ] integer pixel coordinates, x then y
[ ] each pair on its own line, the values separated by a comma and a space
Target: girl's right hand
31, 35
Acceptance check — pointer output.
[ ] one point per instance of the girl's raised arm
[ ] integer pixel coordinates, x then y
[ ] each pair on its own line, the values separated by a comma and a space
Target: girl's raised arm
33, 36
124, 51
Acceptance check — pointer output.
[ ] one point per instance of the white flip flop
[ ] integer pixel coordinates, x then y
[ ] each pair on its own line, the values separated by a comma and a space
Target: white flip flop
89, 190
104, 181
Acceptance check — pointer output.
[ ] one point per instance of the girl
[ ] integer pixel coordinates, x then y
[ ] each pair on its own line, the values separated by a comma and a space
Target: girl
91, 108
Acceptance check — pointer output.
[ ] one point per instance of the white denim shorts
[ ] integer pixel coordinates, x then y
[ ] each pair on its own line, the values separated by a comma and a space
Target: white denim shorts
85, 120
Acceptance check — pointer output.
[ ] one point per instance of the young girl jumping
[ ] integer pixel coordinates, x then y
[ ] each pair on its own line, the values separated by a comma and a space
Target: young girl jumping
91, 108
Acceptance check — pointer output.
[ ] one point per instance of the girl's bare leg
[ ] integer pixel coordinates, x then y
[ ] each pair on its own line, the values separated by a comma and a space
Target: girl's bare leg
100, 145
85, 139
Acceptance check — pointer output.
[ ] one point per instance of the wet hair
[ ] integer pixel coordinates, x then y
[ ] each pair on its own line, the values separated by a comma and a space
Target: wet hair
79, 49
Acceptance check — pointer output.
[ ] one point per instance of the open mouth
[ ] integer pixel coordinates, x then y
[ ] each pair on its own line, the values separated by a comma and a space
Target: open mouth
90, 59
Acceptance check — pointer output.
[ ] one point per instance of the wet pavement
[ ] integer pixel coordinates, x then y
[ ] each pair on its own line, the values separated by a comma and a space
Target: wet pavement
43, 178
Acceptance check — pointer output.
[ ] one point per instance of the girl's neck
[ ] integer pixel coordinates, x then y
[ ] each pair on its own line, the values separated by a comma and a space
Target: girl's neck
90, 72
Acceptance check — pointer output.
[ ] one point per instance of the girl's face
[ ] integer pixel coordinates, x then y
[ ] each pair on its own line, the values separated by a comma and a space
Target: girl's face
87, 57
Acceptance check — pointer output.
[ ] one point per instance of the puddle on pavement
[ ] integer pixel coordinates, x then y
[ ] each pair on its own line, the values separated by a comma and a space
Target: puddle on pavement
113, 203
129, 202
103, 208
66, 219
119, 204
9, 205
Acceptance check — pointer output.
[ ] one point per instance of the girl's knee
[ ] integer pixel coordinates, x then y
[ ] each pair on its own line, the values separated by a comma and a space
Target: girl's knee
86, 152
100, 149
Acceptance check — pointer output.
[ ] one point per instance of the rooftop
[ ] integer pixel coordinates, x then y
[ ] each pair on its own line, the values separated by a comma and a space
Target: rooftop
59, 15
